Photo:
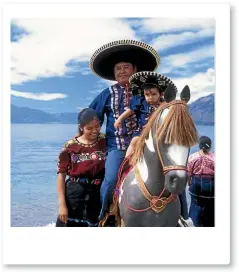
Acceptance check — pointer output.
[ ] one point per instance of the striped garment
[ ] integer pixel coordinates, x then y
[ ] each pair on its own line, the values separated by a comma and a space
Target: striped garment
112, 102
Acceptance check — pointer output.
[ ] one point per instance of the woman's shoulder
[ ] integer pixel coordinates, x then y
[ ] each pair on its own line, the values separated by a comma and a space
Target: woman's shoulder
101, 136
70, 142
102, 141
194, 156
68, 147
211, 155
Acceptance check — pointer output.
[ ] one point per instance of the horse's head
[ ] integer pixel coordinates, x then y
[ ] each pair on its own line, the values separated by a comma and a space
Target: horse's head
175, 133
171, 132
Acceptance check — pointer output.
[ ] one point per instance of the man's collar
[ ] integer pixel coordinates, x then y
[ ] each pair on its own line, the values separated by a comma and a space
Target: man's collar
121, 87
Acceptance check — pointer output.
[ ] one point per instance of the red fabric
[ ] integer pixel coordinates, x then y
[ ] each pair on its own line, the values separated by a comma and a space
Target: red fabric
201, 165
125, 168
79, 160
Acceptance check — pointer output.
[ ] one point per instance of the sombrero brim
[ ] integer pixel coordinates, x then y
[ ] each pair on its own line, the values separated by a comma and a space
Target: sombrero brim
147, 77
138, 53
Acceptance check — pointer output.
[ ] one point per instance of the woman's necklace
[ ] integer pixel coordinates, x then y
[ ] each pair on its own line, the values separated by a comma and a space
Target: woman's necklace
84, 141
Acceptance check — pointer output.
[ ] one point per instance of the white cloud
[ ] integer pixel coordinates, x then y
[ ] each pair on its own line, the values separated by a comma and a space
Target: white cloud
135, 23
163, 25
80, 108
179, 60
52, 43
39, 96
201, 84
96, 91
85, 71
166, 41
101, 85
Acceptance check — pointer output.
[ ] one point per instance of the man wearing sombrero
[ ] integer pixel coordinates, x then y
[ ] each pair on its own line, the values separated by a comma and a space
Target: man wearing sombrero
118, 61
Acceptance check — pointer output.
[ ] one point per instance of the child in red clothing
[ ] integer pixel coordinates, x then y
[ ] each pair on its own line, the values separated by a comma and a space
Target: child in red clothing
82, 159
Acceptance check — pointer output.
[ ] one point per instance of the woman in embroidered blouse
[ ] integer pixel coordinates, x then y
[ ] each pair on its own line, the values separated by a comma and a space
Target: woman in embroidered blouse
82, 159
201, 184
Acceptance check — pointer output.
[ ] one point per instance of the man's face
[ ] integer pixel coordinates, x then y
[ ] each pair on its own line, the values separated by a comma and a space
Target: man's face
123, 71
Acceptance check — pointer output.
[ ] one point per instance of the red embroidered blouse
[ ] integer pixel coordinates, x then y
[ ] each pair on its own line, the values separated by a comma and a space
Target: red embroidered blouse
85, 161
201, 165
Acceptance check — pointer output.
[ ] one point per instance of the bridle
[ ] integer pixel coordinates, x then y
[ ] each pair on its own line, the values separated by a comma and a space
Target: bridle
167, 168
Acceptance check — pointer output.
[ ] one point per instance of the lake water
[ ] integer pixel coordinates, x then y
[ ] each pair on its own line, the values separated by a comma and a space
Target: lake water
34, 152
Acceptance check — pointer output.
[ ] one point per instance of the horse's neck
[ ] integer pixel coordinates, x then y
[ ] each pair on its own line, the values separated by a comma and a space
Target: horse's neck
151, 171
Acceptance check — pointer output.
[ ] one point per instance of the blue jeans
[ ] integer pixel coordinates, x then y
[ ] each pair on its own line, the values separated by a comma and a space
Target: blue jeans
112, 165
184, 205
202, 201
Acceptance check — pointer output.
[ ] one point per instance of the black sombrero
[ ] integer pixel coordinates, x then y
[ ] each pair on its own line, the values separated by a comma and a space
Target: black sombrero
147, 79
138, 53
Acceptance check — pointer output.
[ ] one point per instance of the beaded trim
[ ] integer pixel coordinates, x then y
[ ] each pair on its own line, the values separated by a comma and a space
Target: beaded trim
142, 76
124, 42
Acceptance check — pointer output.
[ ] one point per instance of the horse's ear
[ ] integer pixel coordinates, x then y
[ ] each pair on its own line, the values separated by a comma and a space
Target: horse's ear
170, 94
185, 94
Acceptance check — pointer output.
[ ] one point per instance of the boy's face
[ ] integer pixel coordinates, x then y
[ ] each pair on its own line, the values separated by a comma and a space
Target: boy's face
152, 95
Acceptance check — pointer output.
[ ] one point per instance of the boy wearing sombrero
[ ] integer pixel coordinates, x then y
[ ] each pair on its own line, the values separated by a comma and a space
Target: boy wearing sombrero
118, 61
153, 86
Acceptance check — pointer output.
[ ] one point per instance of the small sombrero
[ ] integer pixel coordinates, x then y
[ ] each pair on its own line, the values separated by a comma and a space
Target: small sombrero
147, 79
138, 53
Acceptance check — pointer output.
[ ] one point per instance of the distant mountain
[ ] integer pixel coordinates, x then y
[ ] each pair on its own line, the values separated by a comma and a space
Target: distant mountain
30, 116
26, 115
66, 117
202, 111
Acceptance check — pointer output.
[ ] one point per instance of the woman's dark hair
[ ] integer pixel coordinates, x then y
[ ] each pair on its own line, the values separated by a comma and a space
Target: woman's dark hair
205, 143
85, 116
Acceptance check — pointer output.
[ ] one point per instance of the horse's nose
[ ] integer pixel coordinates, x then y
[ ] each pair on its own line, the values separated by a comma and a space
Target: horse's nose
175, 181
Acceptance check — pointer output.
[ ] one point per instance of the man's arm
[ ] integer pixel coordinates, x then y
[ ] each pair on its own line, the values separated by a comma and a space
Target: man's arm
99, 104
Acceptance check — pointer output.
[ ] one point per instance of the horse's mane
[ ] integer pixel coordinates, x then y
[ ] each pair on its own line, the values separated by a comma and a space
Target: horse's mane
177, 128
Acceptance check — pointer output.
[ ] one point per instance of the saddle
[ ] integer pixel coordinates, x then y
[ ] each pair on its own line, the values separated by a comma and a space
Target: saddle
114, 207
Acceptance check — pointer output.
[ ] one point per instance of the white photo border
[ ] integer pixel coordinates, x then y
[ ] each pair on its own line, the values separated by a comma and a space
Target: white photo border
126, 245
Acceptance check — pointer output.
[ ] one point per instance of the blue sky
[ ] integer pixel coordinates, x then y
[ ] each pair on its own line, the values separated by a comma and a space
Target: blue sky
50, 57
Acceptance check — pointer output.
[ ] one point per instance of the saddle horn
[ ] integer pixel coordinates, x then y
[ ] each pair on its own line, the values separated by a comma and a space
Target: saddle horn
169, 94
185, 94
